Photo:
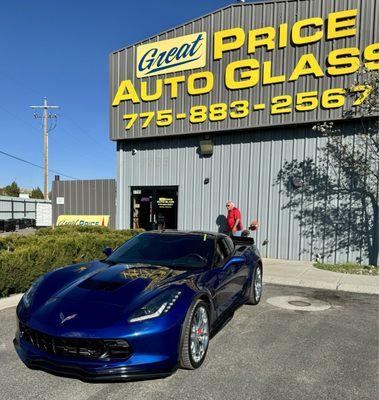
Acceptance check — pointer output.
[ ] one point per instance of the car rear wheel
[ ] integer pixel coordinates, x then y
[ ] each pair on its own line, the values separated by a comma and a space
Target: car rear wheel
255, 293
195, 336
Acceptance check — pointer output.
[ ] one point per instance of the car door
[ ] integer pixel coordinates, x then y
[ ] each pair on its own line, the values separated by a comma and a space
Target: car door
240, 271
224, 276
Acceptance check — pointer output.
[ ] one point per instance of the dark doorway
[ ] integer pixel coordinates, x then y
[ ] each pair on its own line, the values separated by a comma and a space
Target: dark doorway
154, 208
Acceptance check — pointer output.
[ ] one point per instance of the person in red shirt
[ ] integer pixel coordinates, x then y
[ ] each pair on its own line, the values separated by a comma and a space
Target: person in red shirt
233, 219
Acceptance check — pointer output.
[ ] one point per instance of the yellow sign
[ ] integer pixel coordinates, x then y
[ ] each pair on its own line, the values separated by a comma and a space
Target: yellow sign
249, 70
165, 202
83, 220
178, 54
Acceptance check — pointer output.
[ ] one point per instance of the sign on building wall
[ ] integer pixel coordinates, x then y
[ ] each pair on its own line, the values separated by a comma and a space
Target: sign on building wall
83, 220
245, 66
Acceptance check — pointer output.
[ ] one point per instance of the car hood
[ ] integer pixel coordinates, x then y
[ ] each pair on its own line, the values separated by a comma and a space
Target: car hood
120, 284
99, 299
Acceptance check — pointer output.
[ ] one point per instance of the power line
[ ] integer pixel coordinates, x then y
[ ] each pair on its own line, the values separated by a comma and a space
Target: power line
35, 165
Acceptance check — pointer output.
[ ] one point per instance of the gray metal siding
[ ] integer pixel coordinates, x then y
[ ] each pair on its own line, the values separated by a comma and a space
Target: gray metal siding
85, 197
18, 208
249, 15
243, 168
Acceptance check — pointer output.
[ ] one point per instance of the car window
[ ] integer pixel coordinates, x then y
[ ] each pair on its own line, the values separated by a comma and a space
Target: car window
218, 256
166, 249
225, 250
230, 244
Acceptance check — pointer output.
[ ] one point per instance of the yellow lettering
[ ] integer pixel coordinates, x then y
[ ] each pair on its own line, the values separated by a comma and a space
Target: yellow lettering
267, 77
126, 91
151, 96
247, 78
307, 65
191, 87
263, 37
297, 37
226, 40
173, 82
343, 61
371, 54
342, 24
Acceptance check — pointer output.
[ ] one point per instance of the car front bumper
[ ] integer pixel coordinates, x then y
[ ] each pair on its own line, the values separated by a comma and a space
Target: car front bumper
154, 355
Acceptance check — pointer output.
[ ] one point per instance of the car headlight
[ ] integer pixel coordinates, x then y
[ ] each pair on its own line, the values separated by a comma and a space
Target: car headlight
29, 294
158, 306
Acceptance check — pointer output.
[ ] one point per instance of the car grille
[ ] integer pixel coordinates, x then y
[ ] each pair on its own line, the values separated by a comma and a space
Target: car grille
104, 349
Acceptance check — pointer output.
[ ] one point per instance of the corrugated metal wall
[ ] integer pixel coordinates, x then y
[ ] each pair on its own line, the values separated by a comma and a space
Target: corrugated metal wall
244, 169
85, 197
18, 208
251, 15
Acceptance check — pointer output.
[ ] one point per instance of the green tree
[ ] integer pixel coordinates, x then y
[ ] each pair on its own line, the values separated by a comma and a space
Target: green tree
12, 190
36, 193
335, 196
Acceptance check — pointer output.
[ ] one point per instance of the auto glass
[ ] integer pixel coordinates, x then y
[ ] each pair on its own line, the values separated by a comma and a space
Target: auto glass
171, 250
224, 248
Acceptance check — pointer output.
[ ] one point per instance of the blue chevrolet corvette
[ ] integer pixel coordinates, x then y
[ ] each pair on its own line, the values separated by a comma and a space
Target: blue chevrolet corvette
148, 308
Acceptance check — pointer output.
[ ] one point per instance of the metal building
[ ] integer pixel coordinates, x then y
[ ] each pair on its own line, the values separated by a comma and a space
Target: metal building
212, 110
84, 197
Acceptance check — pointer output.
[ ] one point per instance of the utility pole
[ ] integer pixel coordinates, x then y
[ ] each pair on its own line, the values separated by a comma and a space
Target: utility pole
46, 129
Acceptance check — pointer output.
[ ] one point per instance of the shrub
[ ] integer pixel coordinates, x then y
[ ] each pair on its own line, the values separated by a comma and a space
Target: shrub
25, 258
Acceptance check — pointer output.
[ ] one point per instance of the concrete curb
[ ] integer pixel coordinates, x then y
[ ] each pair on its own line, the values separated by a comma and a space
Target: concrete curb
322, 285
10, 301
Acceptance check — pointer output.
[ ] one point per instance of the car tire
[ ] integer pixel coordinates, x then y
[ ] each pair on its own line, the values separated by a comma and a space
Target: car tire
195, 336
255, 292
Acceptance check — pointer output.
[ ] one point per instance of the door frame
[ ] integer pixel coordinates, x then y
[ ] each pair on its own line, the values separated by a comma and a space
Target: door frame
154, 188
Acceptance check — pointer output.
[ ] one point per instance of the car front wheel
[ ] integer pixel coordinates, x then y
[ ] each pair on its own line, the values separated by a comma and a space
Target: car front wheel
195, 336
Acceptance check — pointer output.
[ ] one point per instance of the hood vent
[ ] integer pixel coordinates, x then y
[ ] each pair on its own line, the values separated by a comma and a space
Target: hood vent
93, 284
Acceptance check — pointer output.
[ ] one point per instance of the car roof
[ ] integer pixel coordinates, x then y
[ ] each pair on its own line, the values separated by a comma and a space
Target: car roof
212, 235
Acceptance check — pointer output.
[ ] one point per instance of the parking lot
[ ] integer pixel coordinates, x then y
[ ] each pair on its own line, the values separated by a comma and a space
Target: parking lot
264, 352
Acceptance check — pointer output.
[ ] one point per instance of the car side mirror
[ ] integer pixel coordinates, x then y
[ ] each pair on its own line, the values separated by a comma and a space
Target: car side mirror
107, 251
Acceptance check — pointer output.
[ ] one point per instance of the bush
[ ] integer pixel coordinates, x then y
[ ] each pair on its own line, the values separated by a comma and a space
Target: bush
349, 268
25, 258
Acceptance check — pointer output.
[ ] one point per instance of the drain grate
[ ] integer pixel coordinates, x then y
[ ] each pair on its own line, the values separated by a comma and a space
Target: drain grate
297, 303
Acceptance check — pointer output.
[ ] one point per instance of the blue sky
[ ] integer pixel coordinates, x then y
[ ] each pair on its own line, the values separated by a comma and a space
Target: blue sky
59, 49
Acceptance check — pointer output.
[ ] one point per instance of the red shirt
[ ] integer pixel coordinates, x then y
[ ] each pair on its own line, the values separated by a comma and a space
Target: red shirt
232, 217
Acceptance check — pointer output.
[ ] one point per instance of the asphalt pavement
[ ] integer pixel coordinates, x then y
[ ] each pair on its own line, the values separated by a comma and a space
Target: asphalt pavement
276, 350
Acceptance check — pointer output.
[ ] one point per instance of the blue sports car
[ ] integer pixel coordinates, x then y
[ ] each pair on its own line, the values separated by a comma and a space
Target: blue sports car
148, 308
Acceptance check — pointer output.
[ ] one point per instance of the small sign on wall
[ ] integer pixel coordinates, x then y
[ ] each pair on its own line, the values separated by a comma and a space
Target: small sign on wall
43, 214
60, 200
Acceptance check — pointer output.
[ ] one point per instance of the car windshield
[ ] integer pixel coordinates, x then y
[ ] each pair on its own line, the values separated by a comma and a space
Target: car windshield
171, 250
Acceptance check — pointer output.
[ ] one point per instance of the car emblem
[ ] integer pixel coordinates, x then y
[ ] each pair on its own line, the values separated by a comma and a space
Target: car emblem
64, 319
82, 268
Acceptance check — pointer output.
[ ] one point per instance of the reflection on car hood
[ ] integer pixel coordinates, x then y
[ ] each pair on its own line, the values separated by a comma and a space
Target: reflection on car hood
120, 284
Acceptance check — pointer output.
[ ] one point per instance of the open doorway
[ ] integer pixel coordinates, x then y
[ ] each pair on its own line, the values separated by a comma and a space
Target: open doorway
154, 207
